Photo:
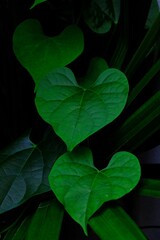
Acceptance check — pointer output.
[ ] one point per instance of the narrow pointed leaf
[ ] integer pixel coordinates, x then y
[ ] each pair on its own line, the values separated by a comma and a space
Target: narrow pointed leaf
121, 48
146, 45
76, 112
148, 77
82, 188
37, 2
15, 221
46, 222
140, 125
39, 54
115, 223
150, 188
153, 13
18, 232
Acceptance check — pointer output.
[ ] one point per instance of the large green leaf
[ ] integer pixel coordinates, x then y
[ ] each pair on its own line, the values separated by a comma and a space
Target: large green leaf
82, 188
99, 15
24, 169
37, 2
46, 222
39, 53
76, 112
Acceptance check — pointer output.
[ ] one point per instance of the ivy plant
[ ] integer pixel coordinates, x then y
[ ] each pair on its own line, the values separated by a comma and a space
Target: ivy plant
60, 174
76, 111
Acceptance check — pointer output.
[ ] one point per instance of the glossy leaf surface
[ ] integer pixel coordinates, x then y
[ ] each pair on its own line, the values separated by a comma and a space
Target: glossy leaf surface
82, 188
76, 112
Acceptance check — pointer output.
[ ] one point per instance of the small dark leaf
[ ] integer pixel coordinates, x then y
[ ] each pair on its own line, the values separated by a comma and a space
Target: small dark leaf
36, 3
24, 168
99, 15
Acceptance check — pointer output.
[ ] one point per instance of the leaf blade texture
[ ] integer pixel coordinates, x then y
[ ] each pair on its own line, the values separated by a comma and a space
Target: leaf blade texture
76, 112
82, 188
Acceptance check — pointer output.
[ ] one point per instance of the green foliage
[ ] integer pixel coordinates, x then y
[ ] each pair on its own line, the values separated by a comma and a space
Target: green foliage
76, 112
99, 15
148, 77
116, 224
147, 45
37, 2
150, 188
46, 222
18, 232
139, 122
82, 82
40, 54
153, 13
97, 65
16, 173
82, 188
24, 169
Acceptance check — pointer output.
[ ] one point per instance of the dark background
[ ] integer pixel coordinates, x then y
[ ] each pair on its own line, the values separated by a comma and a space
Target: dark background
18, 112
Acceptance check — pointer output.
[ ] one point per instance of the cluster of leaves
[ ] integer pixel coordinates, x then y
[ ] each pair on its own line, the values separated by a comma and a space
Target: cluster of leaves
76, 109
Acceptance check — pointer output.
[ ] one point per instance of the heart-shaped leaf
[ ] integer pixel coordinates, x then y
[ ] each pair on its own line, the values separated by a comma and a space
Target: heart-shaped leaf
39, 54
75, 112
82, 188
37, 2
